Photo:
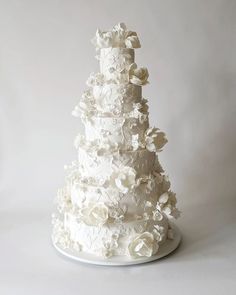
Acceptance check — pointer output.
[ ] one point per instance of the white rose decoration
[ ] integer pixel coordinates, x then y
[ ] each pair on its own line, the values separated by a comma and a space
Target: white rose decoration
124, 178
155, 139
157, 216
138, 76
95, 214
143, 245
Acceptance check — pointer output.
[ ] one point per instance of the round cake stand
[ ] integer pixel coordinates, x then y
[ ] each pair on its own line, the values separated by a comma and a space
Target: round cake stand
164, 250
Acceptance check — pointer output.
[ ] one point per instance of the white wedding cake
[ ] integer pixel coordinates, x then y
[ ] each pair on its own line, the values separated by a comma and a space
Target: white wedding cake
117, 200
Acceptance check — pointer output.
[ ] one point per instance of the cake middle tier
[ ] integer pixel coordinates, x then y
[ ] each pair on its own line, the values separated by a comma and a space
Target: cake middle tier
116, 98
115, 63
94, 165
136, 202
117, 130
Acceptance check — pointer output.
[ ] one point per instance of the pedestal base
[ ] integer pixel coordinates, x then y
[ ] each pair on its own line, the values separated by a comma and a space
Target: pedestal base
165, 249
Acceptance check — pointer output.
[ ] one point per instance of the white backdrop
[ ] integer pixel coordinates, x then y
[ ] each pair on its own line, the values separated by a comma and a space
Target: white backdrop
45, 59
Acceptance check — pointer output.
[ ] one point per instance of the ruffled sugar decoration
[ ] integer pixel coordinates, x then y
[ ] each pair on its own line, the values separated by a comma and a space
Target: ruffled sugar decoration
167, 204
155, 139
123, 178
138, 76
119, 36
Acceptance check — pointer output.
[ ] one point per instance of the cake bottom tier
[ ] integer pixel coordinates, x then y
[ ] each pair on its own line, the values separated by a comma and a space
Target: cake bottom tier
134, 238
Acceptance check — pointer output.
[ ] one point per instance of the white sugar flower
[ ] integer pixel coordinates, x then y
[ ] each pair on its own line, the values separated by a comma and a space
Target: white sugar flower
124, 38
64, 199
135, 142
103, 39
138, 113
123, 178
155, 139
119, 36
109, 245
157, 216
167, 204
163, 199
159, 233
138, 76
87, 94
150, 185
165, 183
120, 27
144, 245
76, 246
94, 214
106, 252
86, 107
117, 213
95, 79
103, 146
86, 103
90, 80
132, 41
60, 236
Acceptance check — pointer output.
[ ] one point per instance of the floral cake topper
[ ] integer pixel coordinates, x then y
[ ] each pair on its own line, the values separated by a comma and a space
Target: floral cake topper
119, 36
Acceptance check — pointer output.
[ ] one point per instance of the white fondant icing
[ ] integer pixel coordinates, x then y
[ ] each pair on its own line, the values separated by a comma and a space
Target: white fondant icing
115, 63
119, 130
116, 98
94, 165
115, 238
143, 198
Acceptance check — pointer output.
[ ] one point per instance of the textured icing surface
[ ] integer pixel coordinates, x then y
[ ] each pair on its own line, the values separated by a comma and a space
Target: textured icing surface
117, 236
96, 165
142, 199
116, 98
116, 199
115, 63
118, 130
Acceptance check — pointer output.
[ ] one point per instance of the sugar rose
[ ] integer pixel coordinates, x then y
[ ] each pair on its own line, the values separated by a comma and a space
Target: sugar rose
143, 245
124, 178
94, 214
138, 76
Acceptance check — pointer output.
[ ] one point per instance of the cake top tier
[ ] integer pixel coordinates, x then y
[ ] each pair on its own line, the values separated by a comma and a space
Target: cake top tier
119, 37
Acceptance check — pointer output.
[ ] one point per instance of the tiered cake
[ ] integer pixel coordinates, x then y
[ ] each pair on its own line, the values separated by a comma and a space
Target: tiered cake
117, 200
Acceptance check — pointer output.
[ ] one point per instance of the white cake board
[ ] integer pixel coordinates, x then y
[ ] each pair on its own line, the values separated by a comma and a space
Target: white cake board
165, 249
